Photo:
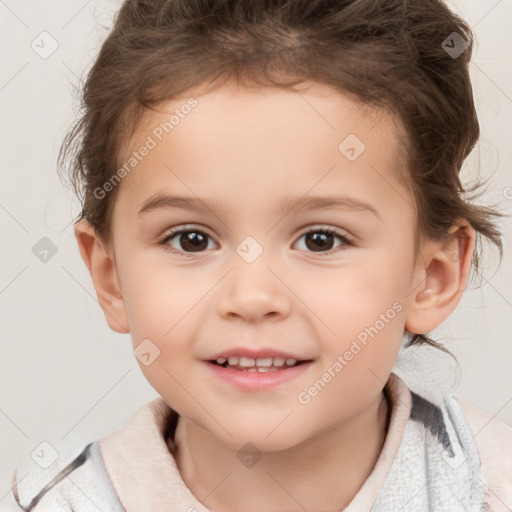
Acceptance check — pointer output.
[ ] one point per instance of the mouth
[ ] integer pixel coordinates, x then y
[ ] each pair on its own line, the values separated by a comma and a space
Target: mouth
261, 365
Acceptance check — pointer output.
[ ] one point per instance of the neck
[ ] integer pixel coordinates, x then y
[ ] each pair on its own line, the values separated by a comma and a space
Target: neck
322, 473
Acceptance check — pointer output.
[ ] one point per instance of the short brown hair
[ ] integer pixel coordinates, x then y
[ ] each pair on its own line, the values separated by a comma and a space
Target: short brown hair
387, 54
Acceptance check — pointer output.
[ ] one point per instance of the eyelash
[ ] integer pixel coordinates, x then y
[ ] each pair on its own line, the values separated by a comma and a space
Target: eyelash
171, 234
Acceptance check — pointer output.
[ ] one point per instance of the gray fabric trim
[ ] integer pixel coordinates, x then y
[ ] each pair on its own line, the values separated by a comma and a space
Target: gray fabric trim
105, 485
76, 463
437, 467
432, 418
83, 485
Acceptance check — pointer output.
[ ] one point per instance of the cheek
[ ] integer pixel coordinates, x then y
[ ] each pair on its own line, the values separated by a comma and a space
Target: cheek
160, 309
362, 310
355, 363
348, 299
158, 300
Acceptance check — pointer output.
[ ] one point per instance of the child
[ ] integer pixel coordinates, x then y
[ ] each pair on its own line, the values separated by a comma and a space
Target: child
272, 209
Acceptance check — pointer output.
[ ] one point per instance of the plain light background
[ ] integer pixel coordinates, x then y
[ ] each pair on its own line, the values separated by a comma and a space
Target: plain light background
65, 377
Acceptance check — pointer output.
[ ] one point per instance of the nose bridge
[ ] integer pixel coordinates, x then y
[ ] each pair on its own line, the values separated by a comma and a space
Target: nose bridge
252, 289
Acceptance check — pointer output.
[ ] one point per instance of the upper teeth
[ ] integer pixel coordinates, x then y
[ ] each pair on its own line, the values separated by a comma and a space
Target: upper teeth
248, 362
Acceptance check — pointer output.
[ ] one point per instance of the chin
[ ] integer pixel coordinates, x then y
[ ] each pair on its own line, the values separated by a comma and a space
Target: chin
264, 437
261, 443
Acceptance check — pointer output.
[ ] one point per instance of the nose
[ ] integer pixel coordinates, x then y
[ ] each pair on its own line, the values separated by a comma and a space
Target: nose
254, 291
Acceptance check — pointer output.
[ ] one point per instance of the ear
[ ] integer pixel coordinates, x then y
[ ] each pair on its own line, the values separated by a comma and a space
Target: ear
443, 275
101, 266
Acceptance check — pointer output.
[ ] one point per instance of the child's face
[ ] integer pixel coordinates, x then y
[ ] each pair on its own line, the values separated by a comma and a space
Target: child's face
245, 158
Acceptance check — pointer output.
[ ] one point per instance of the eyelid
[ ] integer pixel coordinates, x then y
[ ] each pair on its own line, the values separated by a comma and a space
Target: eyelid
303, 231
327, 227
171, 232
346, 239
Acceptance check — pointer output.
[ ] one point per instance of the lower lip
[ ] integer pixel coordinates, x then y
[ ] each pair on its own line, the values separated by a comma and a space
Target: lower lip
258, 381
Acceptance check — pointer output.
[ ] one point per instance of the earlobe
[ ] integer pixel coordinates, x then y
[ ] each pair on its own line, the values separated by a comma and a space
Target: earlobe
443, 279
104, 276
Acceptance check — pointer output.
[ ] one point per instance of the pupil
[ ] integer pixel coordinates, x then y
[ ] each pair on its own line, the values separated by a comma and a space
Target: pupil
193, 240
320, 239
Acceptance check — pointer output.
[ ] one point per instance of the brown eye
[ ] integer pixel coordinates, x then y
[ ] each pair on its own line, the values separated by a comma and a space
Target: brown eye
323, 240
193, 241
188, 241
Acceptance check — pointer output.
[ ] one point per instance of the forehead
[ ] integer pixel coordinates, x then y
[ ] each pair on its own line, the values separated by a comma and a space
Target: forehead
311, 102
264, 139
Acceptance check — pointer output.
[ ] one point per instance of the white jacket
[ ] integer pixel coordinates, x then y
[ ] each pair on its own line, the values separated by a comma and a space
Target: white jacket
439, 455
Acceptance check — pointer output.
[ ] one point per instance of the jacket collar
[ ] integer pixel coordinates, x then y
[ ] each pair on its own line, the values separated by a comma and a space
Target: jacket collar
145, 476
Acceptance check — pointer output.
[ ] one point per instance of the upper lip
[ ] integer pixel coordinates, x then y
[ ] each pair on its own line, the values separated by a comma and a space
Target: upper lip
260, 353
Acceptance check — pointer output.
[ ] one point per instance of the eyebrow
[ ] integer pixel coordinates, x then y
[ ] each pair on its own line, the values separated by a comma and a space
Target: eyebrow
291, 204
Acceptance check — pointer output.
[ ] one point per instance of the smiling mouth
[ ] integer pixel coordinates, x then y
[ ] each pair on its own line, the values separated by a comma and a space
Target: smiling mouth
248, 364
